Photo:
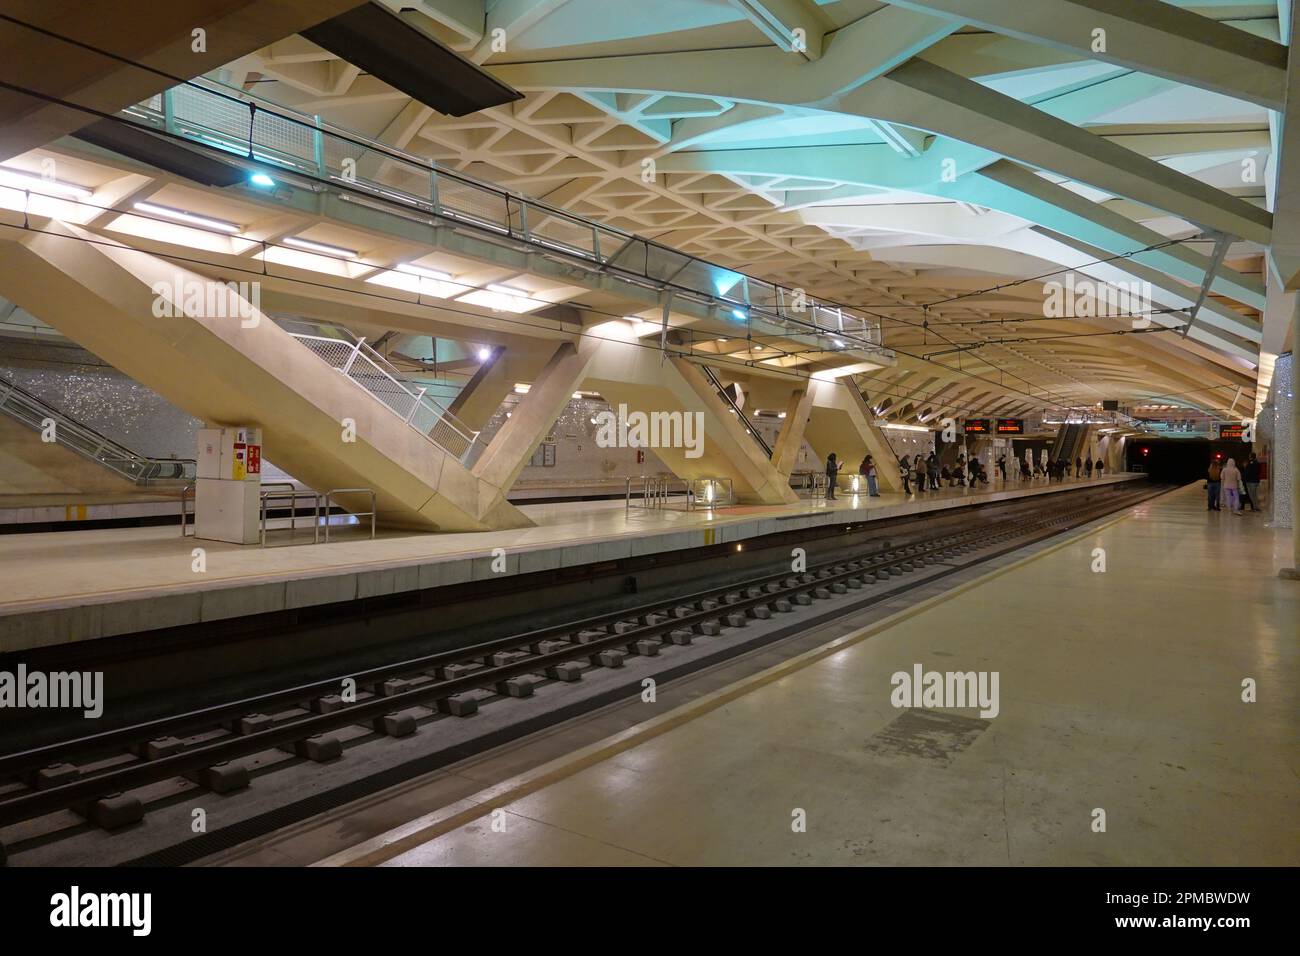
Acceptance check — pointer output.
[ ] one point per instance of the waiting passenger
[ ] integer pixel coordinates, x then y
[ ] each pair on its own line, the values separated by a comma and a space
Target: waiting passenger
1250, 475
905, 472
1087, 467
832, 475
1002, 466
869, 469
932, 469
1078, 467
1101, 466
1213, 485
918, 469
1231, 478
1024, 470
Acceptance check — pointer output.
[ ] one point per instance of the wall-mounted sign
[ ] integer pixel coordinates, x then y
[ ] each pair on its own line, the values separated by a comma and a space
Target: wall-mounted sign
1011, 426
1232, 431
975, 426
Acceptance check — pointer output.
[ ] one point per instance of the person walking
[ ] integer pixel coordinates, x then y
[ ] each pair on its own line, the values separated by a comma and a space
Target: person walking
1250, 475
832, 475
1213, 485
1231, 478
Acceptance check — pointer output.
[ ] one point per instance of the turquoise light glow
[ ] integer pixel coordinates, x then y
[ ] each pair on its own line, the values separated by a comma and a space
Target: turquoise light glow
261, 179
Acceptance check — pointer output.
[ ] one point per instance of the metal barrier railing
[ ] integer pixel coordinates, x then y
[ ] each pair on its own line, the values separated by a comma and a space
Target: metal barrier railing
239, 123
370, 370
372, 514
809, 483
707, 493
36, 413
291, 493
187, 492
657, 492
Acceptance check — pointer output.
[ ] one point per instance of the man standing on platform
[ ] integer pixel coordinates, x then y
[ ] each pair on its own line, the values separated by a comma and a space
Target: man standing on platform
1250, 474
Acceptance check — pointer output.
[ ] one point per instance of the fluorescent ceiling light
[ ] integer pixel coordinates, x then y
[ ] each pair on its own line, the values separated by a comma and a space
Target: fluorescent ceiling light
411, 268
905, 428
320, 247
261, 179
521, 388
181, 216
17, 179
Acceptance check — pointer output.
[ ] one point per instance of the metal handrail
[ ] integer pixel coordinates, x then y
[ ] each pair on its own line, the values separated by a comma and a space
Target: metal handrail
33, 412
372, 513
373, 373
711, 498
272, 136
292, 495
186, 492
735, 408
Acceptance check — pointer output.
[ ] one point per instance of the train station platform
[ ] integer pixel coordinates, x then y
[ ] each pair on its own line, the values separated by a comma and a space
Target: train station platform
63, 587
1121, 735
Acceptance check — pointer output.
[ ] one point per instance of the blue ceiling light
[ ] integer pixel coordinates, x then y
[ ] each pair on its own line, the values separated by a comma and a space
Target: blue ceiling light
739, 314
261, 179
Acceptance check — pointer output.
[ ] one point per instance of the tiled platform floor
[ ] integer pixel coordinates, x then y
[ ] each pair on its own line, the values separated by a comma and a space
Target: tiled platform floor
1119, 691
79, 585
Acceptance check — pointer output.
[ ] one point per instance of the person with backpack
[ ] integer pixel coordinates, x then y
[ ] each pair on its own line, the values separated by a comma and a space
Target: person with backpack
1213, 485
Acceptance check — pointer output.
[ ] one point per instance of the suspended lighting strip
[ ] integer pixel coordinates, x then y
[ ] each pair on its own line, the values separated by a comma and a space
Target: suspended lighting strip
181, 215
17, 179
320, 247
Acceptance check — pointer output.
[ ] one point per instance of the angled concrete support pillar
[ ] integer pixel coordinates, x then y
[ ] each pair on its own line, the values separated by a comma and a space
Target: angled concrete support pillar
232, 365
790, 439
520, 361
530, 421
841, 422
484, 392
634, 377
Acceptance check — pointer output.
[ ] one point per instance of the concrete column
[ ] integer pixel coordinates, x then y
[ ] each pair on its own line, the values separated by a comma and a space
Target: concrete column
841, 422
484, 392
1286, 464
530, 420
790, 439
639, 380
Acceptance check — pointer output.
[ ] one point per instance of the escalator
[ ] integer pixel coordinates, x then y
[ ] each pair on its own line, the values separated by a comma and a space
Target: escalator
67, 433
729, 400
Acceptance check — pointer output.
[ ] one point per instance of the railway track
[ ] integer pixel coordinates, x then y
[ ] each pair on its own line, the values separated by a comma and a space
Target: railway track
101, 776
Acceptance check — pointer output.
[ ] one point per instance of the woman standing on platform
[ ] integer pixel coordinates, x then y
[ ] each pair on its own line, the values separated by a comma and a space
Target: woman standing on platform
905, 472
868, 470
1231, 478
832, 475
920, 472
932, 468
1213, 485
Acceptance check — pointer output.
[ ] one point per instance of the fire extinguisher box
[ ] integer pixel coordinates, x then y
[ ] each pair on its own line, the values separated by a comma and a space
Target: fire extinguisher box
230, 454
